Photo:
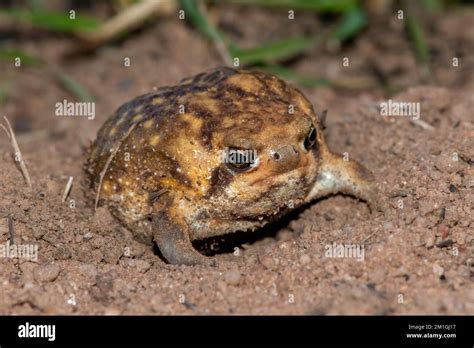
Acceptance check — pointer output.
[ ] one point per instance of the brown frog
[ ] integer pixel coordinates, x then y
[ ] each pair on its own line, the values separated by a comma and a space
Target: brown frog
226, 150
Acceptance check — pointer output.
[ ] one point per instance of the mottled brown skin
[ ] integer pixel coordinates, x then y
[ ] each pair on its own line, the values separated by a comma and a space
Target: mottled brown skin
161, 156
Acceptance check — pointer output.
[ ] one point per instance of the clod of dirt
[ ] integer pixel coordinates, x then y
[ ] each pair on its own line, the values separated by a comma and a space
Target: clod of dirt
89, 271
63, 253
268, 262
46, 273
429, 243
445, 243
102, 217
232, 276
140, 266
104, 284
438, 270
305, 259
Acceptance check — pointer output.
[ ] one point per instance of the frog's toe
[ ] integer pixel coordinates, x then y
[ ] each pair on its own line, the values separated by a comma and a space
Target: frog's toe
174, 243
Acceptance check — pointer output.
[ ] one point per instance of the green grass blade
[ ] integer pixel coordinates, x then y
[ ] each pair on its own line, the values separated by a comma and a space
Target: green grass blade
351, 24
64, 79
274, 51
327, 6
199, 19
4, 90
418, 39
74, 87
435, 6
54, 21
11, 54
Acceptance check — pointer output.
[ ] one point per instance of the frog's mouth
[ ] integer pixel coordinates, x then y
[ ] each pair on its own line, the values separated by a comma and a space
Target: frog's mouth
340, 175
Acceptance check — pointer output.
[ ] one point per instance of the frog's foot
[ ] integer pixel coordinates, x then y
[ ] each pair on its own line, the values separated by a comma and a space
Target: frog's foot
174, 243
340, 175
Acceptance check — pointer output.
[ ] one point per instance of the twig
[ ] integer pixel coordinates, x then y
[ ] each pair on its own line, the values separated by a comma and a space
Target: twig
67, 189
127, 20
422, 124
368, 237
11, 230
17, 152
109, 160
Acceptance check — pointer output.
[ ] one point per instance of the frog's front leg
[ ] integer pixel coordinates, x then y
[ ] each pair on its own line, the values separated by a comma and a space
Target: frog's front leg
340, 175
172, 238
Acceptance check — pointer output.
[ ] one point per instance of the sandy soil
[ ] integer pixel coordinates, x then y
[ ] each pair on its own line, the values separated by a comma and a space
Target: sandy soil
418, 254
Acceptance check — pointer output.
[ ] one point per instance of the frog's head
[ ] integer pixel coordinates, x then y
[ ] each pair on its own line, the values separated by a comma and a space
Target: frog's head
273, 152
265, 145
255, 145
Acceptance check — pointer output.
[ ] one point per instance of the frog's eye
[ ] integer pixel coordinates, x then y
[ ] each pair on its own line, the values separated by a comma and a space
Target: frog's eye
240, 160
310, 139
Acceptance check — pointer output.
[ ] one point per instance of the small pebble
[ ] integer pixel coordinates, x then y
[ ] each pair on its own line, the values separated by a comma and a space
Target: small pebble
105, 282
442, 214
438, 270
38, 232
142, 266
61, 224
329, 216
444, 163
62, 253
445, 243
429, 242
25, 204
268, 262
46, 273
88, 270
401, 271
273, 290
443, 231
232, 276
347, 229
434, 175
305, 259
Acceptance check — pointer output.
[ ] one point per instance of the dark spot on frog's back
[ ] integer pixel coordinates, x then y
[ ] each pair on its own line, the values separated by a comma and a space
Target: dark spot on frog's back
133, 106
199, 110
172, 167
237, 91
214, 76
206, 132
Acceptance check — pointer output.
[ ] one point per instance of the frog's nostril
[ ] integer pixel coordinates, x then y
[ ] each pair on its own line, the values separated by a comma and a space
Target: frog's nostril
285, 158
285, 153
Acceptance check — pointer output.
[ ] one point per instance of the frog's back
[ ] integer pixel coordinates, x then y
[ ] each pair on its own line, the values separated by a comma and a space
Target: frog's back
157, 106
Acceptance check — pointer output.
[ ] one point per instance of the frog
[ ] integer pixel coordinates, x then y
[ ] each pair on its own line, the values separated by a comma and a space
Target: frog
227, 150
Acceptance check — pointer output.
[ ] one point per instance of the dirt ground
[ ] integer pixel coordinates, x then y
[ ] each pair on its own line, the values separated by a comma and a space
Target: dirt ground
418, 253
